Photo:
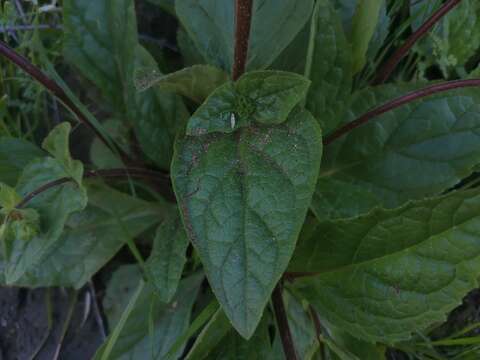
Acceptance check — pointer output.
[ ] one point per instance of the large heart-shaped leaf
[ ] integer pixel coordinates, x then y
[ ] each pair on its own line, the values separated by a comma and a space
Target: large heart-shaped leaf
243, 198
393, 272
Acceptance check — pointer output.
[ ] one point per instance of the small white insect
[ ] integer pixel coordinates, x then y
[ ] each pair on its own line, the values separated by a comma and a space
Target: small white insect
232, 120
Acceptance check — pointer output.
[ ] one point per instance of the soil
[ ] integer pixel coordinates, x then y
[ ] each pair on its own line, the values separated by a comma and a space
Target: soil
24, 325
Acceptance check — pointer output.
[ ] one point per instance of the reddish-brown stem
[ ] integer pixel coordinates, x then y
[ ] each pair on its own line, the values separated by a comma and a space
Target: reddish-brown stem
390, 65
282, 322
243, 18
395, 103
106, 173
50, 85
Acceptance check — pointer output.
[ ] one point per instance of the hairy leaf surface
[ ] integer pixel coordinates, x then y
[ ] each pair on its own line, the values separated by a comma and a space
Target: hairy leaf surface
243, 198
265, 97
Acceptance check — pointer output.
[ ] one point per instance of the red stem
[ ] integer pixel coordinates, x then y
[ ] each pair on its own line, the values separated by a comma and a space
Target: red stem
243, 17
107, 173
395, 103
282, 322
387, 69
50, 85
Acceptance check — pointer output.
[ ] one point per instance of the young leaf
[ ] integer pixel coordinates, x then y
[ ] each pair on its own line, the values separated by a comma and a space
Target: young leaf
266, 97
15, 154
394, 272
9, 199
167, 259
92, 237
169, 320
417, 150
331, 68
196, 82
58, 145
243, 202
210, 24
442, 46
53, 207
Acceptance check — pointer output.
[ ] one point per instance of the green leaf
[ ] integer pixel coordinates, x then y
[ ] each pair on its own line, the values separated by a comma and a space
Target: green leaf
167, 5
53, 206
265, 97
301, 326
357, 347
274, 25
442, 46
331, 68
293, 57
393, 272
196, 82
167, 259
28, 234
15, 154
92, 237
210, 337
218, 340
169, 320
363, 28
417, 150
157, 116
100, 40
100, 155
337, 199
190, 54
243, 203
9, 199
210, 24
58, 145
